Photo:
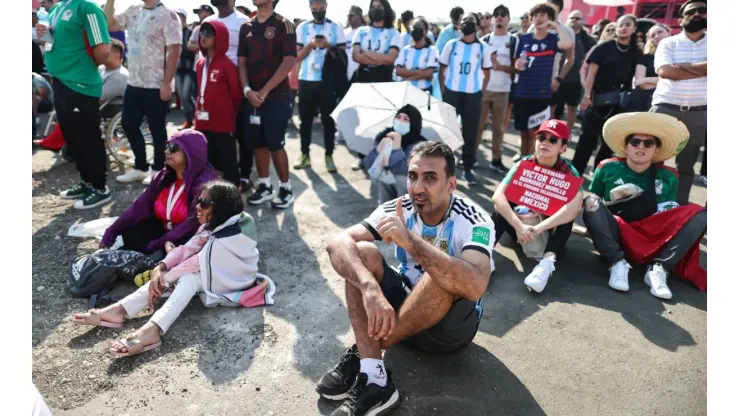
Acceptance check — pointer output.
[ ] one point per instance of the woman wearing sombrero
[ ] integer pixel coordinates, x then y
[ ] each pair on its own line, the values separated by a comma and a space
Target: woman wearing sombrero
633, 214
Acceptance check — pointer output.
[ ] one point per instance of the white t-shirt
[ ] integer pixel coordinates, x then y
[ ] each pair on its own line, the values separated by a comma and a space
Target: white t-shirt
500, 81
234, 23
466, 226
352, 66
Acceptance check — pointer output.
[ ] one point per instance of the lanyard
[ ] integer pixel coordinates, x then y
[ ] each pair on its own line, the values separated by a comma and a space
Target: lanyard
204, 83
441, 226
59, 12
171, 202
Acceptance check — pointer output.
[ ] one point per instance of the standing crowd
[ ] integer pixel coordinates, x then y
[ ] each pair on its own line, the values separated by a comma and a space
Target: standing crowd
641, 94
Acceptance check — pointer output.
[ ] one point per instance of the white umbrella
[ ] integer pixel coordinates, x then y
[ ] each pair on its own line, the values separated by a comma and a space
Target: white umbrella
368, 109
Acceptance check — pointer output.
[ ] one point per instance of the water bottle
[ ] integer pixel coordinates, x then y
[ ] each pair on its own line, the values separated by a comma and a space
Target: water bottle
521, 63
42, 15
521, 210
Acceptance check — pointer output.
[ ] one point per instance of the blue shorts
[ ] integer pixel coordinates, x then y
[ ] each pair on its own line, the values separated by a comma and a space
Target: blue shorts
274, 116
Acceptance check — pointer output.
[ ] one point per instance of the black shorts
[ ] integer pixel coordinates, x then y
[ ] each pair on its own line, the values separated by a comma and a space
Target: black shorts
456, 330
570, 94
270, 132
524, 108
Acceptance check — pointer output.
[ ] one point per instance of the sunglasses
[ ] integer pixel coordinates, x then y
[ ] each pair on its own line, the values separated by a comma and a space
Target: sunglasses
500, 14
487, 16
576, 18
610, 30
553, 140
648, 143
207, 34
204, 203
700, 10
172, 147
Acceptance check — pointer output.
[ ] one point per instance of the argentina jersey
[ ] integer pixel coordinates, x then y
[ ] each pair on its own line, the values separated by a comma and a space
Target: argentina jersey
465, 64
406, 38
377, 39
412, 58
465, 226
313, 63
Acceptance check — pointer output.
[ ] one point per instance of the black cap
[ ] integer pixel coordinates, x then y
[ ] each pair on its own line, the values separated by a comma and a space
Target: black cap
503, 8
204, 8
683, 6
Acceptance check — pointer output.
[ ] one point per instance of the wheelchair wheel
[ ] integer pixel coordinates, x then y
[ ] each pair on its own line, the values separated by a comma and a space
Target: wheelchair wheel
118, 145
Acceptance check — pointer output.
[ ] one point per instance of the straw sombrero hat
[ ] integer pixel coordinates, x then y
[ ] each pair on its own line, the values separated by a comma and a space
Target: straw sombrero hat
672, 133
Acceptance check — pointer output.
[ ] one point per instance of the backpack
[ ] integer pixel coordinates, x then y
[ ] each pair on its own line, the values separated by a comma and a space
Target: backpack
94, 275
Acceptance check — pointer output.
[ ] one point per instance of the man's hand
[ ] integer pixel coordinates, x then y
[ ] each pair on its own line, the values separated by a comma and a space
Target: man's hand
41, 30
585, 103
320, 43
155, 285
381, 318
494, 62
554, 85
255, 98
394, 135
531, 231
393, 228
551, 24
165, 92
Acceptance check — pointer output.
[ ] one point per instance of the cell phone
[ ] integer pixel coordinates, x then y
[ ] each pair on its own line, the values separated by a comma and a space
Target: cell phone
319, 36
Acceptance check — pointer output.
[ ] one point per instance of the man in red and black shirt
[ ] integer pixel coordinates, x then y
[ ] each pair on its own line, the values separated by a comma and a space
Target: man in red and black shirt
267, 53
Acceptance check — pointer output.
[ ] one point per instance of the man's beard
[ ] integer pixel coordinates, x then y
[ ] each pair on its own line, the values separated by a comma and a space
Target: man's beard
695, 25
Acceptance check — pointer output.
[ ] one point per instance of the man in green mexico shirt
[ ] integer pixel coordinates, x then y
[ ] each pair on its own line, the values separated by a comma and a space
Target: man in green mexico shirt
76, 43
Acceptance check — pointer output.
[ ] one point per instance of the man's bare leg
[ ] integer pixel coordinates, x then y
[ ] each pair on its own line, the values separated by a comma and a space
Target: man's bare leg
280, 159
571, 113
373, 260
262, 160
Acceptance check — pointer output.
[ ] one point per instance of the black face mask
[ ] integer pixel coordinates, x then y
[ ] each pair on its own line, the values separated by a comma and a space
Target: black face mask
468, 28
377, 14
417, 34
319, 16
695, 25
220, 3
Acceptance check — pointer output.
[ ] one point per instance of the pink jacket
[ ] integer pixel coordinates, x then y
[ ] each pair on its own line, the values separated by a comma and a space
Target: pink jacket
184, 259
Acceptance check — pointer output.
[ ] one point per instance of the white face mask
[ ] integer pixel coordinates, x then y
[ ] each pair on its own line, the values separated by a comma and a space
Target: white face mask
401, 127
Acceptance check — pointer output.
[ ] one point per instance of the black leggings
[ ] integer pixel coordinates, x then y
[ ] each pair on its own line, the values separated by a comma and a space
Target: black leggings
138, 237
593, 123
555, 243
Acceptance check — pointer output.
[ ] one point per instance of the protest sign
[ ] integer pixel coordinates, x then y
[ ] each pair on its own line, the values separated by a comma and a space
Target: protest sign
541, 189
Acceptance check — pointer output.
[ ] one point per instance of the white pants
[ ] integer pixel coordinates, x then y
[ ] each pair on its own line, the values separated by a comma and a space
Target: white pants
187, 286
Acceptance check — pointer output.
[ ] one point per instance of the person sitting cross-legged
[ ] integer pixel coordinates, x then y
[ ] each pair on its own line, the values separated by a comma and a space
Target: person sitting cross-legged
444, 244
552, 142
630, 218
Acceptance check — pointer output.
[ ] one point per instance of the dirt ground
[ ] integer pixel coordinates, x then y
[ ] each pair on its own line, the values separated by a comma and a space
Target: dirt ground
579, 348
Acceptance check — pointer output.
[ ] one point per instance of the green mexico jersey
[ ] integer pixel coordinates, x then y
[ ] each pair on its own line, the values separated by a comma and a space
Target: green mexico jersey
615, 172
77, 26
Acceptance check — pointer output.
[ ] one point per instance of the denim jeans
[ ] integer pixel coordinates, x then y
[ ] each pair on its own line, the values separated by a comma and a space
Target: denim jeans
184, 85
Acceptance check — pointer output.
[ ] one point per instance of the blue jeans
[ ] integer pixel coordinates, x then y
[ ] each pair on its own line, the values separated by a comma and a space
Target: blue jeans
137, 103
184, 86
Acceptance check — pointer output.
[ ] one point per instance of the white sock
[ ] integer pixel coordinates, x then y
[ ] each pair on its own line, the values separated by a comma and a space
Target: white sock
375, 370
265, 181
285, 185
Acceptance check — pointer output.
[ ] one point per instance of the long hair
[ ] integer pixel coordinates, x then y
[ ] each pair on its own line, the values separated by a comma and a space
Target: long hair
226, 201
602, 36
636, 52
649, 46
390, 15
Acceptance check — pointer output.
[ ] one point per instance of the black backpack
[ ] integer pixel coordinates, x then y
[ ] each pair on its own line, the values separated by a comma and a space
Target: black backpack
94, 275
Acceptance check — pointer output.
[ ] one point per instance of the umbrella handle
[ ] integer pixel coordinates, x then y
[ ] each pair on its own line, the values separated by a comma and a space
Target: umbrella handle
429, 101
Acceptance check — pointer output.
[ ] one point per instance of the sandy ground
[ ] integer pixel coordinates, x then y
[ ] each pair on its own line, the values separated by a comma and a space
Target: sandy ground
579, 348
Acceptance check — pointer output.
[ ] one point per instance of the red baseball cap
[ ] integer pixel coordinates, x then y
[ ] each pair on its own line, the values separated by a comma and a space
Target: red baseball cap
555, 127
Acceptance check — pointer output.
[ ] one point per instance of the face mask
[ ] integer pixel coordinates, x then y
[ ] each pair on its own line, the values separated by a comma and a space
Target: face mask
401, 127
377, 14
220, 3
468, 28
695, 25
417, 34
319, 16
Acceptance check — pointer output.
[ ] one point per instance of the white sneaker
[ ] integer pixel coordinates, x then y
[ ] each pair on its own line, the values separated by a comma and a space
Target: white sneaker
619, 275
655, 277
537, 280
134, 175
149, 178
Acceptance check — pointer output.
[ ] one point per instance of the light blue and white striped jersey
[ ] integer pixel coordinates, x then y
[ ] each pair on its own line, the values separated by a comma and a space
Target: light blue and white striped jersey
406, 38
377, 39
465, 64
313, 63
412, 58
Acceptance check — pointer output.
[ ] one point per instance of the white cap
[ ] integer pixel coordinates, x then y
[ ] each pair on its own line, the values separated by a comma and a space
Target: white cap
182, 12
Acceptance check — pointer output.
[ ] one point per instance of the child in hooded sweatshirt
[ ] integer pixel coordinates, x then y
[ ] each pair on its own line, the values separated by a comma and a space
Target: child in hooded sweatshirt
219, 99
219, 262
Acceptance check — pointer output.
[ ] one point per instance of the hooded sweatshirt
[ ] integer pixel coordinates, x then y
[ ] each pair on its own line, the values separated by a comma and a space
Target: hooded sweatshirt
197, 173
222, 96
398, 162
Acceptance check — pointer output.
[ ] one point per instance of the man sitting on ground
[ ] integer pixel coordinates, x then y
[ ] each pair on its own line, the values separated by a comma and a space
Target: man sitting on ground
444, 244
552, 142
629, 217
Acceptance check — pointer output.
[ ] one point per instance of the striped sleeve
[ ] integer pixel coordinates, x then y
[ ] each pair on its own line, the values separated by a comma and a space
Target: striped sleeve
664, 53
96, 26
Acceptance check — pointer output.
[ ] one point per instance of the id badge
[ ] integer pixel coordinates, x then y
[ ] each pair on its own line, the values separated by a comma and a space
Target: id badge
255, 119
202, 116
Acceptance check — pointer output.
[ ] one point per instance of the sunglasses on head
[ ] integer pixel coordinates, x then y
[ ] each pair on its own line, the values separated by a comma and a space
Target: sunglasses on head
553, 140
204, 203
648, 143
172, 147
700, 10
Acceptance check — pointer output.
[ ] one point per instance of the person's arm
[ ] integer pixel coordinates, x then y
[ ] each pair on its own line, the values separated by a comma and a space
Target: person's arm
383, 58
235, 90
303, 46
444, 61
570, 58
667, 68
121, 21
96, 31
361, 57
566, 214
141, 208
565, 42
289, 53
502, 207
642, 80
486, 64
181, 253
173, 39
593, 69
193, 41
422, 74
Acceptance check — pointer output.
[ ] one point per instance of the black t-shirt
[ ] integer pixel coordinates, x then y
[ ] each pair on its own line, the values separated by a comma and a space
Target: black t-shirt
649, 62
583, 44
616, 66
265, 45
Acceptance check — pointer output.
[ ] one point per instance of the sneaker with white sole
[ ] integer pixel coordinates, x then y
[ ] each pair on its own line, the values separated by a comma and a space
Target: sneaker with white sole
619, 275
149, 178
94, 198
134, 175
76, 191
263, 193
537, 280
656, 277
283, 199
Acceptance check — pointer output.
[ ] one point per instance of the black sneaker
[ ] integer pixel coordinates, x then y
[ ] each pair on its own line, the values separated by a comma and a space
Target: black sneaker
93, 198
262, 194
370, 399
283, 199
498, 167
76, 191
469, 177
337, 382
